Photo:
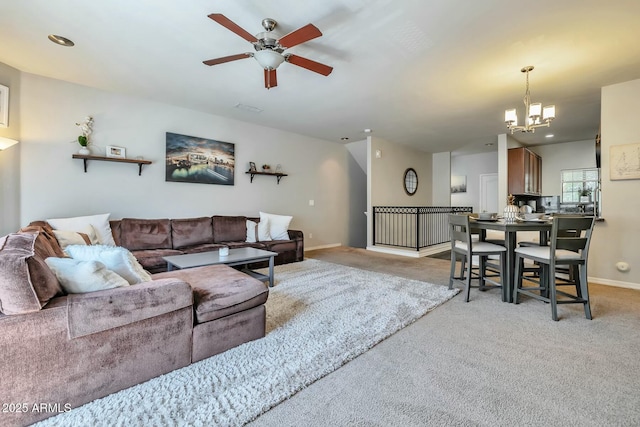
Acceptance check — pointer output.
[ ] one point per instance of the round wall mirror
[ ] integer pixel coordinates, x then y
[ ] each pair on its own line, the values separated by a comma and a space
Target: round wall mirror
410, 181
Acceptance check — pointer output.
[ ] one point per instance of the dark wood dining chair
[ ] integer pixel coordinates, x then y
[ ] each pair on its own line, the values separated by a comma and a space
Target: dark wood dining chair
569, 246
464, 247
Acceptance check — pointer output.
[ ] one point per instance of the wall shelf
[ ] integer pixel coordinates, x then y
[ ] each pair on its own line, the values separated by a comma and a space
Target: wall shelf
84, 158
278, 175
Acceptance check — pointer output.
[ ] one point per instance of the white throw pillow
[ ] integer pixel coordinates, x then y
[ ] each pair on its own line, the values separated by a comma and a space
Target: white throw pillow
66, 238
251, 232
262, 234
115, 258
100, 224
77, 277
278, 225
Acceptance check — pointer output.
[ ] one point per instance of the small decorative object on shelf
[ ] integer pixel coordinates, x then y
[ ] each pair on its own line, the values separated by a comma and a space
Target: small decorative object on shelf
86, 128
266, 168
511, 211
252, 167
116, 152
278, 168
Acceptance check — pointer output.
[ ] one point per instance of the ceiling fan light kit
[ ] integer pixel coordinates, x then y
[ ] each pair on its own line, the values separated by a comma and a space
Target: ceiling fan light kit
536, 115
269, 48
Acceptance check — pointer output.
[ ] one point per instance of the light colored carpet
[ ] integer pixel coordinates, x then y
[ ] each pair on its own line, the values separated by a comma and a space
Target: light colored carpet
320, 316
481, 363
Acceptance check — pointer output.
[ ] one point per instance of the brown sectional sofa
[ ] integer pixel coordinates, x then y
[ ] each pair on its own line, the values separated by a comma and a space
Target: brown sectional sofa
151, 239
62, 351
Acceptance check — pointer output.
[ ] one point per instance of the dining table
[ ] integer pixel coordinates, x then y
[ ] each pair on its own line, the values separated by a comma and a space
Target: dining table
511, 229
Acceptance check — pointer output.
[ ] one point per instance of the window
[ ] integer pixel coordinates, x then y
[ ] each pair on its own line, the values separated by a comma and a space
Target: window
578, 183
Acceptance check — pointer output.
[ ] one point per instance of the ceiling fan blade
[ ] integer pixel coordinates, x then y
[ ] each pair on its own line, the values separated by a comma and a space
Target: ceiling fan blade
232, 26
301, 35
270, 79
310, 65
226, 59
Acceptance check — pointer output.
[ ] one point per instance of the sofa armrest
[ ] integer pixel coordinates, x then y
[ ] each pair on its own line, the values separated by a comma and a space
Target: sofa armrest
99, 311
298, 236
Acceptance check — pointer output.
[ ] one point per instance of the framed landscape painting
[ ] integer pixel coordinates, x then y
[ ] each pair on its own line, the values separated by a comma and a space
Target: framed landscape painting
199, 160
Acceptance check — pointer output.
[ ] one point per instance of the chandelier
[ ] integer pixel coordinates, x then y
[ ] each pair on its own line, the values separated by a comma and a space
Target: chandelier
536, 116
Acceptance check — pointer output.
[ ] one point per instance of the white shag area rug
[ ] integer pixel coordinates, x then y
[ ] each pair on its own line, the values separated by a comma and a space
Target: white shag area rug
319, 316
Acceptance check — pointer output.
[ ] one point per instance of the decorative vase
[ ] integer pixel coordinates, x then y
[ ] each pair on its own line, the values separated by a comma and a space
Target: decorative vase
510, 213
84, 151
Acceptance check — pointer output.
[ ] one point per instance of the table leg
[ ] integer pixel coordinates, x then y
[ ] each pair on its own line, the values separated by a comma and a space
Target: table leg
271, 261
169, 266
510, 242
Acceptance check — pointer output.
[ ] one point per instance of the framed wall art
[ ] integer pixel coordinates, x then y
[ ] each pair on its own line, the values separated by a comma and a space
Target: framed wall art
116, 152
459, 184
624, 162
199, 160
4, 106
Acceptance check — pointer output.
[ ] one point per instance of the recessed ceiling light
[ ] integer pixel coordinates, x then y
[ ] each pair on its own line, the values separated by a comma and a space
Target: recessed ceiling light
344, 138
62, 41
367, 131
549, 135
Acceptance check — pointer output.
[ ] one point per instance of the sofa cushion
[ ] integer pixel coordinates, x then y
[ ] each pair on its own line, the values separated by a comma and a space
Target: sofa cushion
26, 283
78, 277
151, 259
202, 248
99, 222
229, 228
116, 259
191, 231
103, 310
219, 290
137, 234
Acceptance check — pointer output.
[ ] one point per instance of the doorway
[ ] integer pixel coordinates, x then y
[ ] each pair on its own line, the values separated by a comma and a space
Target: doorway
489, 193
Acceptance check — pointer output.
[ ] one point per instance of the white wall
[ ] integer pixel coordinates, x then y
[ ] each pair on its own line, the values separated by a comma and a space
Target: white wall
472, 166
616, 238
54, 185
441, 178
387, 174
566, 155
10, 158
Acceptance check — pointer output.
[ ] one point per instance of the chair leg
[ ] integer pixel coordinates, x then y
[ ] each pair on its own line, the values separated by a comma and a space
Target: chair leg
551, 289
453, 269
584, 287
468, 282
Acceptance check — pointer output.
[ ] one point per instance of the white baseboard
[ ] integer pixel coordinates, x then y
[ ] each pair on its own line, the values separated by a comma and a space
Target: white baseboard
313, 248
409, 252
617, 283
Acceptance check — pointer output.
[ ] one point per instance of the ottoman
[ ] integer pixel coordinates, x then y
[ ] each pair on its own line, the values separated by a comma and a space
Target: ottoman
228, 307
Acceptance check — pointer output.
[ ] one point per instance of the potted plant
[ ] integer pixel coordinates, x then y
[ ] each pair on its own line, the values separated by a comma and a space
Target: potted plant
86, 128
585, 195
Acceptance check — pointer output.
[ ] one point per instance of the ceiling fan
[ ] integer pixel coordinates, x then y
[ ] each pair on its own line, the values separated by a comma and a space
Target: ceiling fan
269, 48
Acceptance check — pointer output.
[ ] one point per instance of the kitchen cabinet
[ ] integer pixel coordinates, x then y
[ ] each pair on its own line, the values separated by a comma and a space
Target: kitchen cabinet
525, 172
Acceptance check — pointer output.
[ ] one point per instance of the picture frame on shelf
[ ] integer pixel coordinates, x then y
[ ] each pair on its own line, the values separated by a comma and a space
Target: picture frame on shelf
4, 106
116, 152
252, 167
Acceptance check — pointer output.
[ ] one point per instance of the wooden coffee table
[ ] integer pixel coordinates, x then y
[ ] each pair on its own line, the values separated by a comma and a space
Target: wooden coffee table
239, 256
